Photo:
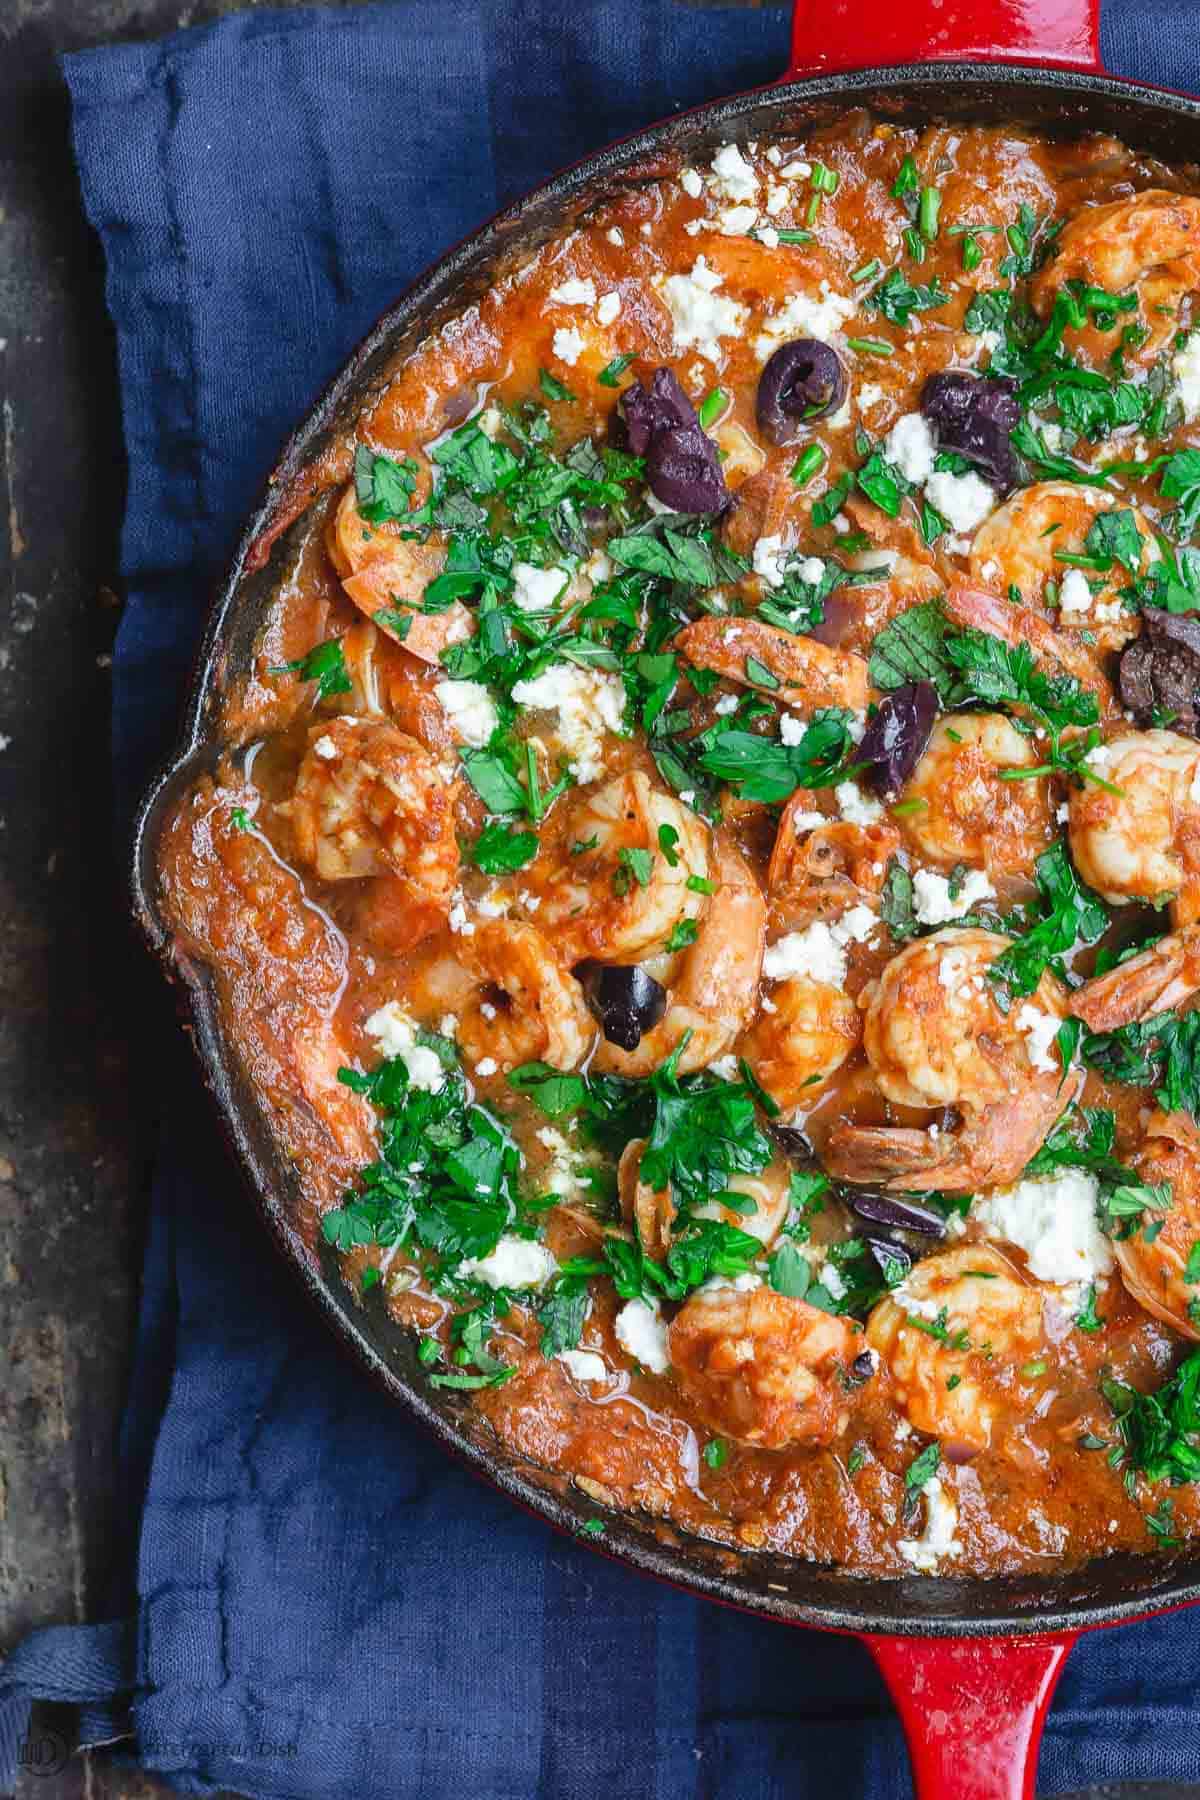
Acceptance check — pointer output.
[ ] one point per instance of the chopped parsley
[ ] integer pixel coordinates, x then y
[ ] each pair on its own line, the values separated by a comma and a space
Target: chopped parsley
323, 664
1159, 1432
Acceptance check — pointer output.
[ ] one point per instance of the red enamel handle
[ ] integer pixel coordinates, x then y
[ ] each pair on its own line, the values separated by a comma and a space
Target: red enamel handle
972, 1710
834, 36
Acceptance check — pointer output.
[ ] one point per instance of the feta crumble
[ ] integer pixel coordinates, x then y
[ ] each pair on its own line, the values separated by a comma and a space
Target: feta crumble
964, 501
568, 345
910, 446
1053, 1220
395, 1034
692, 183
855, 806
1039, 1029
584, 1365
1074, 594
470, 709
536, 590
642, 1333
514, 1263
1185, 366
819, 951
805, 315
769, 554
607, 307
931, 895
588, 703
733, 176
937, 1540
574, 293
325, 748
700, 315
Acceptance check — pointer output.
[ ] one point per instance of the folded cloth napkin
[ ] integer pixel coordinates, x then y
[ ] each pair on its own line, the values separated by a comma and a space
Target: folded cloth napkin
326, 1605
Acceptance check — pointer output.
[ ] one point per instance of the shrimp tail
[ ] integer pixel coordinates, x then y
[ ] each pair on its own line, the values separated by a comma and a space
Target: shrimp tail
893, 1155
1160, 979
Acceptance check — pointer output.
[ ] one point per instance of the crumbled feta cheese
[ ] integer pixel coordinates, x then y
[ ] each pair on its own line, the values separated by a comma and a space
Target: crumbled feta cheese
952, 967
736, 221
491, 422
931, 895
536, 590
728, 703
692, 183
487, 1065
778, 199
1185, 366
812, 569
584, 1365
805, 315
964, 501
869, 394
819, 951
568, 345
700, 315
326, 749
768, 237
598, 567
395, 1034
797, 170
574, 292
1039, 1030
643, 1334
1053, 1220
910, 446
615, 236
791, 729
769, 555
470, 709
937, 1540
693, 227
1074, 594
733, 176
607, 307
745, 1283
457, 917
514, 1263
855, 806
588, 702
725, 1066
831, 1280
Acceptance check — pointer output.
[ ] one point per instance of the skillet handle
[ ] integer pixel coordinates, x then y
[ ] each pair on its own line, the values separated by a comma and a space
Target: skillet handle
972, 1710
832, 37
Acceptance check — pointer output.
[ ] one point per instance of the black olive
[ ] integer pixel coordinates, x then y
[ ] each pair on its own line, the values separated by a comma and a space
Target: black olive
1160, 670
683, 472
892, 1212
861, 1369
802, 381
662, 406
976, 416
896, 737
890, 1256
624, 999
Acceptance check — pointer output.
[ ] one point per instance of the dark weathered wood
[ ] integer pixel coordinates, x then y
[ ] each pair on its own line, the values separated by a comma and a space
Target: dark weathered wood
74, 1128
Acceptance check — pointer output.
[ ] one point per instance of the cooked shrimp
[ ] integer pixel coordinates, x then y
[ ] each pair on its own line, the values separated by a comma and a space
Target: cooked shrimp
763, 1368
989, 1324
713, 986
935, 1037
981, 610
802, 1036
819, 870
370, 800
384, 572
968, 812
767, 1196
1158, 980
1151, 242
1143, 841
1152, 1264
595, 899
528, 1007
800, 672
1018, 545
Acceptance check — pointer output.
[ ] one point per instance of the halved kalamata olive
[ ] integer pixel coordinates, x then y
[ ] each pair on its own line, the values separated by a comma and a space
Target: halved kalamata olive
861, 1369
794, 1144
663, 406
683, 472
899, 1213
895, 739
803, 381
624, 999
1160, 670
888, 1254
976, 415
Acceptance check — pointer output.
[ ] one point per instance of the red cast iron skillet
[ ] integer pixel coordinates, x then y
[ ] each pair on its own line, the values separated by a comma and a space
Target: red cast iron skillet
971, 1663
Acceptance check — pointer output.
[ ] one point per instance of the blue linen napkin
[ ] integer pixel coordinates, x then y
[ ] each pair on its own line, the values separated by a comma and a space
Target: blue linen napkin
325, 1604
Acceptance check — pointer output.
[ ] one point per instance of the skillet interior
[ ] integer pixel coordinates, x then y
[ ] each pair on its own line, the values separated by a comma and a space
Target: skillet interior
1058, 104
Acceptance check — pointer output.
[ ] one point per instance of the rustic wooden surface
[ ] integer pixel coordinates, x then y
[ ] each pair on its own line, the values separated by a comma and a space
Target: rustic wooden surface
75, 1118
